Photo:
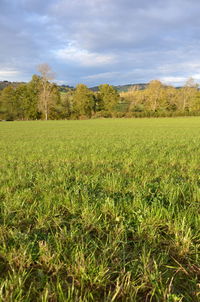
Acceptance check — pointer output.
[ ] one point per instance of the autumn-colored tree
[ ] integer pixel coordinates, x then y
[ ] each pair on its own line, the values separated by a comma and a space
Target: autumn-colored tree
171, 96
40, 98
188, 94
155, 95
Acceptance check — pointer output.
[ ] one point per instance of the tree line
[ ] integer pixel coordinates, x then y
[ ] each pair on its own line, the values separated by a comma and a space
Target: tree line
42, 99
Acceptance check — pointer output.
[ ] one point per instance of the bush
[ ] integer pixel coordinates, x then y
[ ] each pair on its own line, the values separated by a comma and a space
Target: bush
102, 113
119, 114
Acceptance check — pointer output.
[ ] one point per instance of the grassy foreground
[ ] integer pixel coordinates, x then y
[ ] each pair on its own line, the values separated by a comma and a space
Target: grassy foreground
100, 210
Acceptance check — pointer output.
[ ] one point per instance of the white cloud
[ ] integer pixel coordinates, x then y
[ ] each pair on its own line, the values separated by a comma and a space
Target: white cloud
173, 80
8, 74
196, 76
83, 56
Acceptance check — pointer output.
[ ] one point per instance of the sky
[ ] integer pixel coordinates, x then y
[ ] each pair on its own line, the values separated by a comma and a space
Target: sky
101, 41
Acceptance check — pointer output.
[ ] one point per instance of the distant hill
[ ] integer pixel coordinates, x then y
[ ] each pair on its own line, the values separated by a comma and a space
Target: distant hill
65, 88
126, 87
4, 84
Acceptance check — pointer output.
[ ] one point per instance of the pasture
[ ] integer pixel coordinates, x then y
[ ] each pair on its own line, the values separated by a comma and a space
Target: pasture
100, 210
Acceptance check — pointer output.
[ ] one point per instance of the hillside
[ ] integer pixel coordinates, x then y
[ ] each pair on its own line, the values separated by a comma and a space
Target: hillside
125, 87
64, 88
4, 84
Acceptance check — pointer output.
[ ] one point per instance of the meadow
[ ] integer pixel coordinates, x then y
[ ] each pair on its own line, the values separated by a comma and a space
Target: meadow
100, 210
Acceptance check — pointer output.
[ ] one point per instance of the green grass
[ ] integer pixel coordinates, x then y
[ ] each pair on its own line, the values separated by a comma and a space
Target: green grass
100, 210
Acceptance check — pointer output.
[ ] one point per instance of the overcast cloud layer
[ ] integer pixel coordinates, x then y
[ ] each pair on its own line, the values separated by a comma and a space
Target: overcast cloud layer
101, 41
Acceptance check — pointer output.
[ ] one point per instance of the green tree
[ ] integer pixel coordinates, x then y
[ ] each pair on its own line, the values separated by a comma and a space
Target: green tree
34, 89
98, 102
54, 102
8, 103
27, 96
83, 101
65, 107
22, 101
108, 97
1, 106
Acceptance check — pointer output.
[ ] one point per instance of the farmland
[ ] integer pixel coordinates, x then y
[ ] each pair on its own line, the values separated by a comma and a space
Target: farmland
100, 210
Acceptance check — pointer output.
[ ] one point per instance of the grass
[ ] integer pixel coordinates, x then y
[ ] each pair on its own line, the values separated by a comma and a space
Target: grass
100, 210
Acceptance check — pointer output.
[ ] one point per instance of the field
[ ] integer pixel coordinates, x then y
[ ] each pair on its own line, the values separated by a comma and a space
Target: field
100, 210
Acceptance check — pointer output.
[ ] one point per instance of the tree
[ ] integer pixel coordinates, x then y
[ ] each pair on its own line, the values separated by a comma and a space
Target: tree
98, 102
27, 98
171, 98
188, 93
22, 101
66, 104
34, 89
109, 97
83, 101
155, 95
45, 100
55, 102
8, 106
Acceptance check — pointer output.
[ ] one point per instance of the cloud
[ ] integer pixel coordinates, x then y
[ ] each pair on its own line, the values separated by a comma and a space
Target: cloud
83, 56
120, 41
9, 74
172, 80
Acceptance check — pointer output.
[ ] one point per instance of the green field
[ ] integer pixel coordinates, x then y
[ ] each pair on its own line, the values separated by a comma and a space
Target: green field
100, 210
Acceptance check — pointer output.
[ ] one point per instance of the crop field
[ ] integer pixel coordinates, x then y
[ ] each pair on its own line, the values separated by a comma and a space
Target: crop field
100, 210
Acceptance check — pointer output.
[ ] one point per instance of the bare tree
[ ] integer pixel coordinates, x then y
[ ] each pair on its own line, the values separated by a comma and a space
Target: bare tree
155, 94
47, 75
188, 92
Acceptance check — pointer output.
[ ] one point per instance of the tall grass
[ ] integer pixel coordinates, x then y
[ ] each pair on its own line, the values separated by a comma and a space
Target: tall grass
100, 210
